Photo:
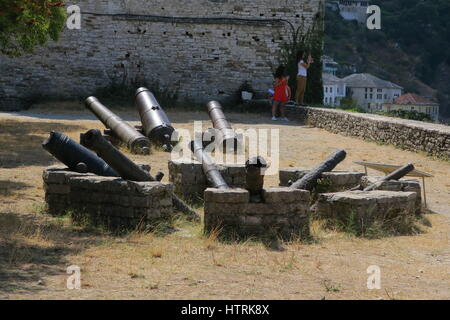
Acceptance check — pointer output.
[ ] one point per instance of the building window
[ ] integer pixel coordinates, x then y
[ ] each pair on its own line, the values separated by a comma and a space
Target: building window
379, 90
379, 96
365, 96
371, 96
371, 89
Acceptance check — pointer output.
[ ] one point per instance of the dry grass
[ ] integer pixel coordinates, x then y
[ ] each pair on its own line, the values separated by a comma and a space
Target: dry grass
35, 250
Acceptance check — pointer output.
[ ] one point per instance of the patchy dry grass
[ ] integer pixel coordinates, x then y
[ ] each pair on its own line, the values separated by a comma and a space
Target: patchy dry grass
35, 249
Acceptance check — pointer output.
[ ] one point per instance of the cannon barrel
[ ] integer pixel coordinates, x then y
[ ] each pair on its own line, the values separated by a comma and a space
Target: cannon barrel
255, 169
121, 129
75, 156
155, 123
396, 175
213, 175
226, 135
309, 181
127, 169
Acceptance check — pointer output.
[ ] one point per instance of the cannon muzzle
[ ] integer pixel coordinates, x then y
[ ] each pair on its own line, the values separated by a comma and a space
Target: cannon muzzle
75, 156
155, 123
125, 132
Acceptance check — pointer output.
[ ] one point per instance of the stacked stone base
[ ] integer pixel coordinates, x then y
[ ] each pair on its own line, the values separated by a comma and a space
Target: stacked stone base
284, 213
402, 185
107, 201
190, 182
362, 211
334, 181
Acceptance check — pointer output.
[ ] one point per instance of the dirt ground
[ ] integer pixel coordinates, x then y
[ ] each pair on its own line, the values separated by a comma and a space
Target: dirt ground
36, 249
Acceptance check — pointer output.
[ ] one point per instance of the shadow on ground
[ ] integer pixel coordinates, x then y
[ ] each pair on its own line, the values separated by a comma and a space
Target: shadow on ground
20, 142
33, 247
8, 187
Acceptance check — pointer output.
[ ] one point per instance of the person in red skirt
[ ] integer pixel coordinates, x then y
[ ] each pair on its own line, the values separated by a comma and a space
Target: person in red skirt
282, 94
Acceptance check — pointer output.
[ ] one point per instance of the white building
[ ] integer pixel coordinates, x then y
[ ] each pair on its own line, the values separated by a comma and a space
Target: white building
414, 102
333, 90
370, 92
354, 10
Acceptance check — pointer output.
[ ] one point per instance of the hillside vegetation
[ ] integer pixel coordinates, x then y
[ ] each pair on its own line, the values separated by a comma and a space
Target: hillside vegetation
412, 48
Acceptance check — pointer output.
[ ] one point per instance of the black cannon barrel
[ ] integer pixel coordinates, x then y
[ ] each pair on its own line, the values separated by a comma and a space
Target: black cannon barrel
155, 123
75, 156
309, 181
213, 175
120, 128
127, 169
255, 169
396, 175
226, 135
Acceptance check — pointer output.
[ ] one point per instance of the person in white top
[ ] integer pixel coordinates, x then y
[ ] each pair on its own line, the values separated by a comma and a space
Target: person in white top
302, 75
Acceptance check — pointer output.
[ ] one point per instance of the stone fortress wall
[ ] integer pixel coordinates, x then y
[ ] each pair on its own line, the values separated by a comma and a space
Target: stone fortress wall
202, 49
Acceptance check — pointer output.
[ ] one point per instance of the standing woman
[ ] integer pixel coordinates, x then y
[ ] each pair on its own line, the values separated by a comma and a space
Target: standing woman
302, 75
282, 94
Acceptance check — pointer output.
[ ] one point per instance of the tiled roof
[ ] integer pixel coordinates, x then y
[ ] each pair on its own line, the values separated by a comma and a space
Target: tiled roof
412, 99
366, 80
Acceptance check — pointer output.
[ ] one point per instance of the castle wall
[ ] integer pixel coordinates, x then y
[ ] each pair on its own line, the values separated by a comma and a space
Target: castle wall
202, 49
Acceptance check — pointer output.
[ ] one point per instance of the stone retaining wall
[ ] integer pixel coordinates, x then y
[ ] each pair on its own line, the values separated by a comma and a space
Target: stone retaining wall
190, 182
434, 139
106, 201
284, 213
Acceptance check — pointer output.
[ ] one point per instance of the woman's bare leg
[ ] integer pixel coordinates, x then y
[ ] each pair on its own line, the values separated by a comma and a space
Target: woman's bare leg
283, 109
274, 108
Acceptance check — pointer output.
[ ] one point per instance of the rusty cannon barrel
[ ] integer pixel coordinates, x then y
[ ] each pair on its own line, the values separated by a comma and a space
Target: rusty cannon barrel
75, 156
213, 175
255, 169
225, 134
126, 168
396, 175
134, 140
309, 181
155, 123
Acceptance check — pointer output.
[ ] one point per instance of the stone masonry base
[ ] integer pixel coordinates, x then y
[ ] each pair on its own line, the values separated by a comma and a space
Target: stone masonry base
106, 201
190, 182
284, 213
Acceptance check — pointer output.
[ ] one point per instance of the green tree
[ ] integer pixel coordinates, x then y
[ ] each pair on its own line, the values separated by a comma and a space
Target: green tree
25, 24
311, 42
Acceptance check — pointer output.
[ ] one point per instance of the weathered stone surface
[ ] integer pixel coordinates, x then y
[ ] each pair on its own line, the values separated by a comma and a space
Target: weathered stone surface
60, 175
404, 185
292, 174
285, 195
342, 179
227, 196
284, 213
136, 40
364, 209
108, 201
190, 182
331, 181
434, 139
